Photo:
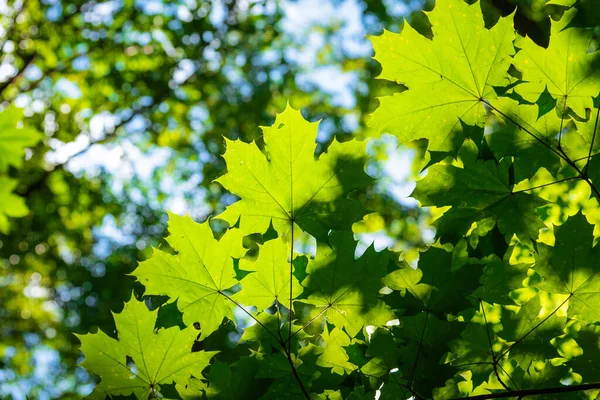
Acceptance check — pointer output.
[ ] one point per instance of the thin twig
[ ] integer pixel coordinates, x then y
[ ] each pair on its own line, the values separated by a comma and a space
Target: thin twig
534, 392
583, 158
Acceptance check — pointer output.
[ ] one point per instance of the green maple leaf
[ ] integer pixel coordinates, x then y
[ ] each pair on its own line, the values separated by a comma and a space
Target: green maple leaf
501, 282
531, 331
345, 289
449, 77
11, 205
334, 355
570, 268
529, 148
285, 386
569, 72
198, 275
544, 374
225, 382
159, 358
287, 186
259, 332
426, 338
588, 337
471, 351
433, 286
384, 354
269, 279
593, 170
14, 140
480, 192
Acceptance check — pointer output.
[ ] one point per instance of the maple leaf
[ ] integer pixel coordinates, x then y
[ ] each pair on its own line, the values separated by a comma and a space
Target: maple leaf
269, 279
434, 286
570, 268
286, 186
225, 382
11, 205
198, 275
334, 355
345, 289
449, 78
566, 68
528, 146
14, 139
531, 329
159, 358
483, 193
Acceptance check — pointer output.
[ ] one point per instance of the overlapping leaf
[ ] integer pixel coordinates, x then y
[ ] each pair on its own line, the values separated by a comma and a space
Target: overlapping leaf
466, 320
159, 358
433, 286
334, 355
480, 192
566, 68
571, 268
346, 289
286, 186
11, 205
269, 279
198, 275
449, 77
14, 139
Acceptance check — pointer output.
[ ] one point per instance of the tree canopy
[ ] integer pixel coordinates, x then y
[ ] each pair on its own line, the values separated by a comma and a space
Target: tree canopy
270, 287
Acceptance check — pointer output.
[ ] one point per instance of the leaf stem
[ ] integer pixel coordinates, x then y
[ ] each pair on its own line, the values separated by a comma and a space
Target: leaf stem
251, 316
291, 288
288, 350
547, 184
560, 153
562, 120
313, 319
494, 360
535, 327
527, 131
414, 368
593, 139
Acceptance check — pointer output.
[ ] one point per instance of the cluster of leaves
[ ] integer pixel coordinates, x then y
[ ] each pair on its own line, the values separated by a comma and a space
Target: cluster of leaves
504, 304
13, 141
100, 77
139, 78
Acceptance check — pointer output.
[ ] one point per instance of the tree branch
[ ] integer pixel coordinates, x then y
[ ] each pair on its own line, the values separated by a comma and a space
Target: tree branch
28, 59
534, 392
39, 182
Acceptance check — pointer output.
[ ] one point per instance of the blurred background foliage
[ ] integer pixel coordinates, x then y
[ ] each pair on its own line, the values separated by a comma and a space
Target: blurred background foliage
132, 99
